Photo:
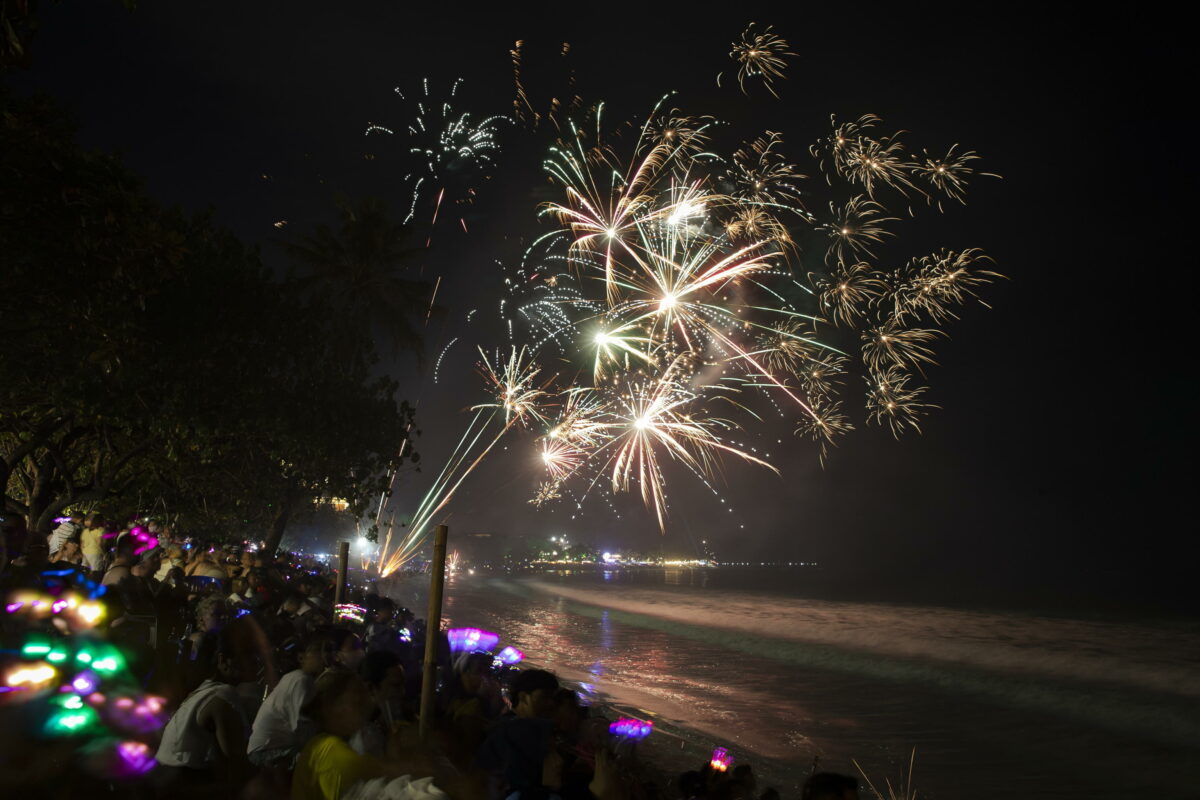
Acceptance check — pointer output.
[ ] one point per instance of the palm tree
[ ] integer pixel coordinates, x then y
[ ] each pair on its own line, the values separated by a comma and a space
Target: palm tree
357, 270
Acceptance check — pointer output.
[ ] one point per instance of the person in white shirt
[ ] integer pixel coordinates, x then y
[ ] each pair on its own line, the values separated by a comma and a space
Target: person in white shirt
279, 731
205, 740
69, 528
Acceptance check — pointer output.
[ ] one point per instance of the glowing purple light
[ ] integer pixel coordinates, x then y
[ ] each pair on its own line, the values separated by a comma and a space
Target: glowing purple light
61, 520
510, 655
471, 639
85, 682
59, 605
135, 758
631, 728
12, 608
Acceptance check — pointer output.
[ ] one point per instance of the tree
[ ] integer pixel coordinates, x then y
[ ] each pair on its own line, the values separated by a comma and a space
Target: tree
146, 355
84, 252
358, 270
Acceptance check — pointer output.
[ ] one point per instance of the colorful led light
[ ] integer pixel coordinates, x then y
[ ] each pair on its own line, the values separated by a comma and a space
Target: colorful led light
350, 611
32, 676
470, 639
85, 682
510, 655
631, 728
721, 760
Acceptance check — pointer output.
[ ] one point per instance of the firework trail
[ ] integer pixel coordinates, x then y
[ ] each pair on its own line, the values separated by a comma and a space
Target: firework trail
515, 403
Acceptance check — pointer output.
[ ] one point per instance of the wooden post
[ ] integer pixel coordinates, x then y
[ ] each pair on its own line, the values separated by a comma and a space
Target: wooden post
339, 594
433, 628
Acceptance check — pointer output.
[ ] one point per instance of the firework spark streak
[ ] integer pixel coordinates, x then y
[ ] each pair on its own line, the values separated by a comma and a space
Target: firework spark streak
515, 403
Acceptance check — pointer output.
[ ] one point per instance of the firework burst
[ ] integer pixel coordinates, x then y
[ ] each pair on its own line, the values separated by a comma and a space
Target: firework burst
760, 55
446, 142
760, 174
668, 291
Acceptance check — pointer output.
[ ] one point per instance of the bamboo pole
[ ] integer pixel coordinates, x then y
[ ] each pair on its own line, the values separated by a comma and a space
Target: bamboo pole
339, 594
433, 628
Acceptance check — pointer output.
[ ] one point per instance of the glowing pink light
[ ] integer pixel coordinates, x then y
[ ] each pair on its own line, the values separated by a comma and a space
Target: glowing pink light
148, 540
13, 607
59, 605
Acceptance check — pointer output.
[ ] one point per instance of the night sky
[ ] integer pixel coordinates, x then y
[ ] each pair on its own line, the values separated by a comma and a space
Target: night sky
1056, 466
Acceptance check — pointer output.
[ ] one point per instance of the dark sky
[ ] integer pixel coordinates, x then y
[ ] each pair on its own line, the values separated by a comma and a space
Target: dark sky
1057, 463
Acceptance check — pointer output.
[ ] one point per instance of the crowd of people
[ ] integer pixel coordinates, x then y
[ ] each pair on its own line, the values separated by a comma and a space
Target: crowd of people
269, 690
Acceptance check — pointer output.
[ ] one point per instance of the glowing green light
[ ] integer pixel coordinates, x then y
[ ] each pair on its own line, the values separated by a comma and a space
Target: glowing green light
84, 656
57, 656
69, 722
74, 701
105, 665
35, 649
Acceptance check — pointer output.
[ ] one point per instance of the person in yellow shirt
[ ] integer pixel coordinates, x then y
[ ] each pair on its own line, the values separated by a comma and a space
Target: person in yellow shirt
327, 766
91, 542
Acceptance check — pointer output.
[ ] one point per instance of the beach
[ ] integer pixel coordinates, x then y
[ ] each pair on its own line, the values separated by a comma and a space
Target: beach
995, 703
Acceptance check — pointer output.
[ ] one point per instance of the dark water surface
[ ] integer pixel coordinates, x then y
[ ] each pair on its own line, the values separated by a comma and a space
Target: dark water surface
998, 704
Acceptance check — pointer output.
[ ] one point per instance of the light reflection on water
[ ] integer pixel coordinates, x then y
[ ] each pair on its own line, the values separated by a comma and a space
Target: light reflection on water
997, 705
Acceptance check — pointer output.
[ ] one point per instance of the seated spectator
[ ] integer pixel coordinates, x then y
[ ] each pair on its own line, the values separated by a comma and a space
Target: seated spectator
69, 556
830, 786
519, 751
173, 559
279, 732
207, 565
691, 785
238, 592
382, 633
123, 560
744, 783
297, 616
311, 588
200, 647
205, 741
258, 593
327, 766
471, 700
384, 677
136, 593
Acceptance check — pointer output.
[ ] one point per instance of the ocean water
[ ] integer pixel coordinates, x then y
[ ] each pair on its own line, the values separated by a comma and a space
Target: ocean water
996, 703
